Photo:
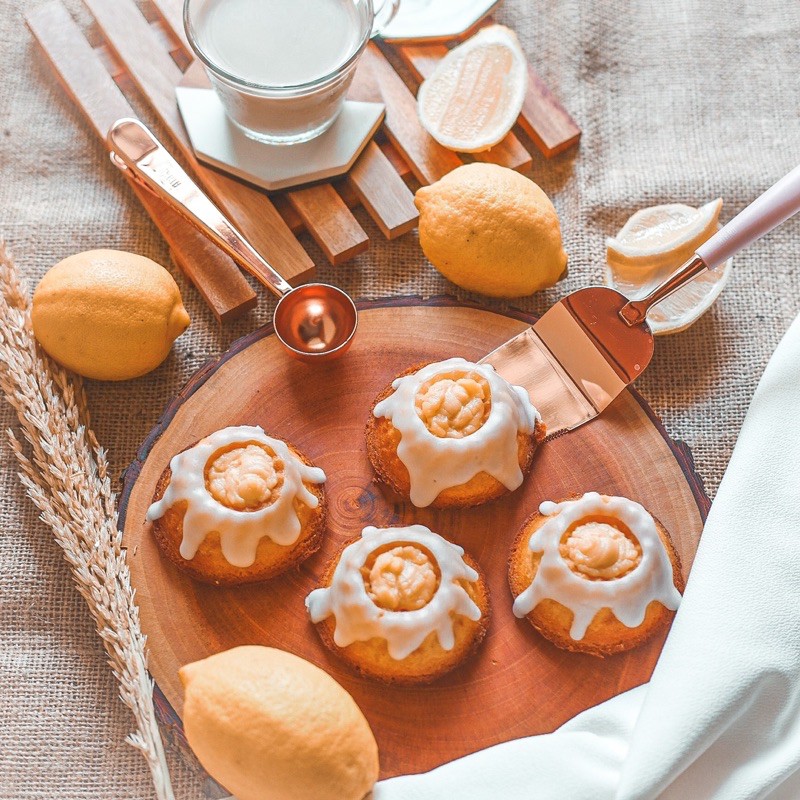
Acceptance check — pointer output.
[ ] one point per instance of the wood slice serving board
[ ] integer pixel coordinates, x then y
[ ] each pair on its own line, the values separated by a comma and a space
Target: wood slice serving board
518, 683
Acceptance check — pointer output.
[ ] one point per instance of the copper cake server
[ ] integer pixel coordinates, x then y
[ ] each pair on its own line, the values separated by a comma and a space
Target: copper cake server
592, 344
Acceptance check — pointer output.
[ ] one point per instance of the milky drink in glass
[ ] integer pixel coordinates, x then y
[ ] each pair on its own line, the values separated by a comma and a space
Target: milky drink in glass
280, 67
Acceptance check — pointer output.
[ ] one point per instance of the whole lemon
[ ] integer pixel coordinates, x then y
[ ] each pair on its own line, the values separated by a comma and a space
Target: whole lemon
269, 725
108, 314
491, 230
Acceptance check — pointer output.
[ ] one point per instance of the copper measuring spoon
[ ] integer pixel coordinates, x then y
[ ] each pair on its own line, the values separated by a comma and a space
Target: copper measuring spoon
314, 322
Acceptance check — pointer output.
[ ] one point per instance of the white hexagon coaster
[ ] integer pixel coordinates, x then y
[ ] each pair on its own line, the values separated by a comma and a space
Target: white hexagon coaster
428, 20
218, 142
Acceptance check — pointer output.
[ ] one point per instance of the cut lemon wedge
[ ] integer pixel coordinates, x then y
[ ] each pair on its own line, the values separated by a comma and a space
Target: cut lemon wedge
651, 245
475, 94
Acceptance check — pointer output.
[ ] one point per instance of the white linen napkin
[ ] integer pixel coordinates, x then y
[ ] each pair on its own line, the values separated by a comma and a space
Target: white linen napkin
720, 718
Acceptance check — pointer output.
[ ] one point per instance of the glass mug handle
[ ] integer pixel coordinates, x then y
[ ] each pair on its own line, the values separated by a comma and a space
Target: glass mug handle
384, 13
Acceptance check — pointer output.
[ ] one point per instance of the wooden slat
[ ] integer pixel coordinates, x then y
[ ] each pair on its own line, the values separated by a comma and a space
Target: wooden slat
374, 180
92, 89
422, 60
156, 75
383, 192
334, 228
395, 157
171, 14
427, 159
345, 189
323, 214
545, 120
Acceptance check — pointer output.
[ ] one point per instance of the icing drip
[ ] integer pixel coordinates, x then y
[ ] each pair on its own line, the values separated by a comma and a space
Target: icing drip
223, 505
627, 590
480, 442
358, 618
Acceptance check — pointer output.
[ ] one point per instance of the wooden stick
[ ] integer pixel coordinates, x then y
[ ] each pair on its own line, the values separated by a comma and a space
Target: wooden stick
156, 75
171, 15
375, 181
422, 60
323, 214
90, 87
545, 120
382, 191
427, 159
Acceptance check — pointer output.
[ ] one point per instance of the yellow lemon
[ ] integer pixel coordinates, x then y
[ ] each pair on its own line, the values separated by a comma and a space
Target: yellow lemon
269, 725
108, 314
491, 230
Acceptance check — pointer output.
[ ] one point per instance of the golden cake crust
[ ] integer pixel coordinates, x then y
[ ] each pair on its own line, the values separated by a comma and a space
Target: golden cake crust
429, 661
605, 635
210, 566
383, 439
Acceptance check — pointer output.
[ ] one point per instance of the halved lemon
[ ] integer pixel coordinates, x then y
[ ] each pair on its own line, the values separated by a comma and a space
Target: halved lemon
651, 245
475, 94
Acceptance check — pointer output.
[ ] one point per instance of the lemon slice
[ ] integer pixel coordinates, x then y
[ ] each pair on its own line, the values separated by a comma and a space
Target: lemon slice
651, 245
475, 94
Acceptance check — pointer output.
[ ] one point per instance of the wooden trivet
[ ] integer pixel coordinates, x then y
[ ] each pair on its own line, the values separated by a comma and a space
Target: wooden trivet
149, 58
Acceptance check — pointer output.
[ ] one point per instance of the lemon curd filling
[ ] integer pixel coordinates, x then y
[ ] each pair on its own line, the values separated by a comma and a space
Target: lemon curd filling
454, 405
403, 578
245, 478
600, 551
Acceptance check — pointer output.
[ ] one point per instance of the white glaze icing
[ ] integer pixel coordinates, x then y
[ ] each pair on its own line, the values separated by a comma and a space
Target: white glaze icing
239, 531
358, 618
436, 463
628, 596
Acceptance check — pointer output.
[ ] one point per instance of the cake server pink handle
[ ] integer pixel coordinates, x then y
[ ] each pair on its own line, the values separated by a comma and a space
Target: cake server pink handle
766, 212
775, 206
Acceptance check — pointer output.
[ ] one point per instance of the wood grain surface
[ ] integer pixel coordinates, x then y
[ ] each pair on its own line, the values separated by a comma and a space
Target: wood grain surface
518, 683
381, 190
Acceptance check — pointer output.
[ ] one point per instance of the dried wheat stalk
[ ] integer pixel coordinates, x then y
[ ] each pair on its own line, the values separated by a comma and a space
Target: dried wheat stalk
65, 473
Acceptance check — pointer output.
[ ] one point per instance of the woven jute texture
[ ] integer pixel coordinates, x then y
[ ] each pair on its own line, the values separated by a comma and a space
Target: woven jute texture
679, 101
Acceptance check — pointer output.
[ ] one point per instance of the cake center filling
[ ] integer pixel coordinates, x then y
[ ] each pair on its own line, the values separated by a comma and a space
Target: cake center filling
245, 478
600, 551
454, 405
403, 578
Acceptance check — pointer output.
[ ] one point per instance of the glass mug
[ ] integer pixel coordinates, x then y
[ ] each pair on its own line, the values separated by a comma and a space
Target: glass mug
282, 67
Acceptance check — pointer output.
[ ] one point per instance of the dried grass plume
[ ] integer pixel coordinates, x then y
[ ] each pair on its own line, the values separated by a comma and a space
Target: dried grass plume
65, 473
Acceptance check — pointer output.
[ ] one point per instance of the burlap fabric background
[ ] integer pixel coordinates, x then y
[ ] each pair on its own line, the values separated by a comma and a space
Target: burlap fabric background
679, 100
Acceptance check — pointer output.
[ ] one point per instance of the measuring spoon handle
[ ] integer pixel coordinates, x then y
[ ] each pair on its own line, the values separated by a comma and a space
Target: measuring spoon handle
134, 148
775, 206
